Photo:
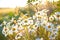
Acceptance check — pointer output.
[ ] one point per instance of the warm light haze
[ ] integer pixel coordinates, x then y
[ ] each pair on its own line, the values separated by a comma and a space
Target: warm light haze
12, 3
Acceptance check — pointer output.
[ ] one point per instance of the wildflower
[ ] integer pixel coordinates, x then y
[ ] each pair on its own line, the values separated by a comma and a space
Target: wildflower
12, 20
41, 38
10, 32
54, 31
4, 22
5, 31
18, 21
37, 23
45, 18
38, 14
29, 30
34, 17
45, 10
57, 13
51, 18
49, 26
0, 25
19, 18
8, 24
20, 28
55, 17
43, 22
34, 27
37, 38
32, 31
25, 22
18, 36
58, 26
15, 21
30, 22
14, 29
59, 18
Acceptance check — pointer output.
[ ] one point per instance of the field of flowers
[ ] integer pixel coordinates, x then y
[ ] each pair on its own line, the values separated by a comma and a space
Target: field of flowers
32, 23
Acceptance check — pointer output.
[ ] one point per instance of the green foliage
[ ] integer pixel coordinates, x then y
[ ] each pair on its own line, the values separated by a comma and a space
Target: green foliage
10, 14
27, 10
58, 35
57, 9
1, 20
6, 16
42, 32
58, 3
23, 11
2, 37
31, 1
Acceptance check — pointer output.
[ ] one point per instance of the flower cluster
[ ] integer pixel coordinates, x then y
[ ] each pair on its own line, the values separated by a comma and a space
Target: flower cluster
30, 24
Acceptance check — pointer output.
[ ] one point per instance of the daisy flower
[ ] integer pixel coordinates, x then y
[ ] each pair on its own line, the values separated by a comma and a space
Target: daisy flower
14, 29
18, 36
4, 22
51, 18
5, 31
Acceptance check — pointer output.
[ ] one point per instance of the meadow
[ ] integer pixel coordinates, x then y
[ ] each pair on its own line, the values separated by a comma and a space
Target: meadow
32, 22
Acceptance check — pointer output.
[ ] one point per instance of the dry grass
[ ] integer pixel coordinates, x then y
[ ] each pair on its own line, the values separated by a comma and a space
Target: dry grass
7, 10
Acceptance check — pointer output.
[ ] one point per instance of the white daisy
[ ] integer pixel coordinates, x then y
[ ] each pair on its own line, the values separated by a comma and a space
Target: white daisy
20, 18
49, 26
45, 10
58, 26
38, 14
20, 28
4, 22
10, 32
41, 38
55, 17
43, 22
34, 17
59, 18
18, 36
37, 38
57, 13
30, 22
14, 29
25, 22
5, 31
12, 19
51, 18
